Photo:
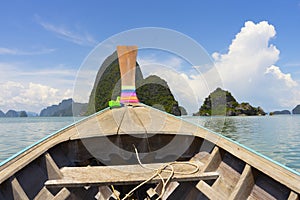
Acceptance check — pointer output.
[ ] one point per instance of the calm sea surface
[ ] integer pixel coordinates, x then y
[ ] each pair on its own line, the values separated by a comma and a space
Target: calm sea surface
277, 137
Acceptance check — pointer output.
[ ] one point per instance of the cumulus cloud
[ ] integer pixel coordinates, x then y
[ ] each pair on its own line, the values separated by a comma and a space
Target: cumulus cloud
249, 68
25, 88
279, 75
248, 55
30, 97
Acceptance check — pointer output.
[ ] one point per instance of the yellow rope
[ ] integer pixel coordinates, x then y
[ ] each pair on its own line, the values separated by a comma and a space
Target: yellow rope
158, 171
115, 193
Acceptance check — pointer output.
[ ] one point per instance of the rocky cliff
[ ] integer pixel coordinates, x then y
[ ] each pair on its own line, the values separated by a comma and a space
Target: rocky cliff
155, 91
13, 113
107, 85
296, 110
183, 110
152, 90
221, 102
282, 112
65, 108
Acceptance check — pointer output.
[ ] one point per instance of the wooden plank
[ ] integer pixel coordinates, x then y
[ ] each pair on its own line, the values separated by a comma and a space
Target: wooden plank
208, 191
213, 161
156, 121
44, 194
122, 175
269, 168
104, 124
18, 191
62, 194
293, 196
52, 169
244, 185
227, 180
131, 123
168, 190
104, 193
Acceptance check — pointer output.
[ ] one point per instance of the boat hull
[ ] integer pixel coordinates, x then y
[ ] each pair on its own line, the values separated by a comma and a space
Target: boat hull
106, 142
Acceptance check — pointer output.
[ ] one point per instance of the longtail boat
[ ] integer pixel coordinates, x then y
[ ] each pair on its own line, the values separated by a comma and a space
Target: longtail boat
138, 152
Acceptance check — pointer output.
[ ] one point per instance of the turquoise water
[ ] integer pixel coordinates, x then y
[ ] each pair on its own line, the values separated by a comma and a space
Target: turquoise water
277, 137
18, 133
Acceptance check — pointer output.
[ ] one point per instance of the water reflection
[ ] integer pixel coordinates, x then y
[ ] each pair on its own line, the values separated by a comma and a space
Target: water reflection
277, 137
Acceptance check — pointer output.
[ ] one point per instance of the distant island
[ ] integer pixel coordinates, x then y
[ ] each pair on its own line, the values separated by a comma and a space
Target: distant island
296, 110
282, 112
13, 113
221, 102
65, 108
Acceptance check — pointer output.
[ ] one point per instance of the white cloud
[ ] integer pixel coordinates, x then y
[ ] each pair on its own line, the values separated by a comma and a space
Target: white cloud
22, 72
246, 68
84, 39
30, 97
4, 51
11, 51
278, 74
248, 54
23, 88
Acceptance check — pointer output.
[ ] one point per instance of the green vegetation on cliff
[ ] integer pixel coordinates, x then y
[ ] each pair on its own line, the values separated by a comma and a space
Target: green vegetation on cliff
155, 92
108, 84
221, 102
152, 91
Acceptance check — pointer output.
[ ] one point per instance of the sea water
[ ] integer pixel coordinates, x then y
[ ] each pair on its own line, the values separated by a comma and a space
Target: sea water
17, 133
277, 137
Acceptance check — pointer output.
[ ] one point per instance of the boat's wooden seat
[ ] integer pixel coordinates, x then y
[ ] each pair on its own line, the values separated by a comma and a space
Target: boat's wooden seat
122, 175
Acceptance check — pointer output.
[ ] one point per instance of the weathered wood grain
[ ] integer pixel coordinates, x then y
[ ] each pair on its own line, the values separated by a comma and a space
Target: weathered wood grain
122, 175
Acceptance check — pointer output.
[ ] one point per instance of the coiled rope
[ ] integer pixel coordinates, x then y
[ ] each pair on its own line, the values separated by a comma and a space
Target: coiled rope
168, 167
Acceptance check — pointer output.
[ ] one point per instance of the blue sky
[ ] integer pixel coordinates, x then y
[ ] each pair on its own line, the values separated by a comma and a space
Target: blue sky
43, 44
